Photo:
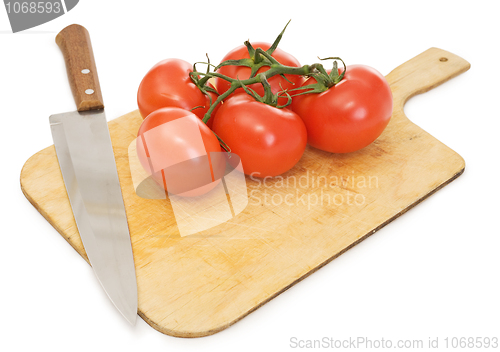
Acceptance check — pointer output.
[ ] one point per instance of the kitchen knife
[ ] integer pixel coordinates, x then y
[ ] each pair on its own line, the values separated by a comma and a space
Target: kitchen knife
85, 155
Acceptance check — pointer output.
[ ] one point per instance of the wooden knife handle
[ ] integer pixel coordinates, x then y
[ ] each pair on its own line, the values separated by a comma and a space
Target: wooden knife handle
74, 42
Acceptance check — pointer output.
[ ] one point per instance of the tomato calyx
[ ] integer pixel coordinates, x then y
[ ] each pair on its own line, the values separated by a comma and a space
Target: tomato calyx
324, 80
223, 145
268, 97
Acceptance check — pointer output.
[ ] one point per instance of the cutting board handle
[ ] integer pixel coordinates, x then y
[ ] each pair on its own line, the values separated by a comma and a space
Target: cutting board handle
74, 42
422, 73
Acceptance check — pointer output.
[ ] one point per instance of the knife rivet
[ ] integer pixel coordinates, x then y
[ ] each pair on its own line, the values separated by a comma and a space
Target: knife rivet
85, 71
89, 91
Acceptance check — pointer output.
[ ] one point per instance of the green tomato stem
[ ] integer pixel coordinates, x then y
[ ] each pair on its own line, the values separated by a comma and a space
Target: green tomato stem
260, 58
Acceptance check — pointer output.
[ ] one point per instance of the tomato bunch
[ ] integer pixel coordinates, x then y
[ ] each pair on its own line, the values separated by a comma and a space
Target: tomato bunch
263, 106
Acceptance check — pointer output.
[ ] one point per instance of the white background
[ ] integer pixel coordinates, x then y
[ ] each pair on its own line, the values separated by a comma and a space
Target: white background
431, 273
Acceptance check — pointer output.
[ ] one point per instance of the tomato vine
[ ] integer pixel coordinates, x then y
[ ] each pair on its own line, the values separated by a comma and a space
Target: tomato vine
263, 58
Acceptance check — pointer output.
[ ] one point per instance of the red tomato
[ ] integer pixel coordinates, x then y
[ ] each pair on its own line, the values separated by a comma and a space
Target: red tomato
180, 152
168, 84
268, 140
243, 72
348, 116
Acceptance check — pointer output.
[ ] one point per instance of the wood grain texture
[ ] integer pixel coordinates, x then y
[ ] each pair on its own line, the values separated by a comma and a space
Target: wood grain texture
201, 284
74, 42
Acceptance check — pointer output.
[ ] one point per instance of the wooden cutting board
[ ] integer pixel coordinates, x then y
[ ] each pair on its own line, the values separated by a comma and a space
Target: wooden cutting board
198, 285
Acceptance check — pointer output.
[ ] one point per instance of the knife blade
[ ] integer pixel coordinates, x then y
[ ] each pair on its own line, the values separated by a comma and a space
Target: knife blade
85, 155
